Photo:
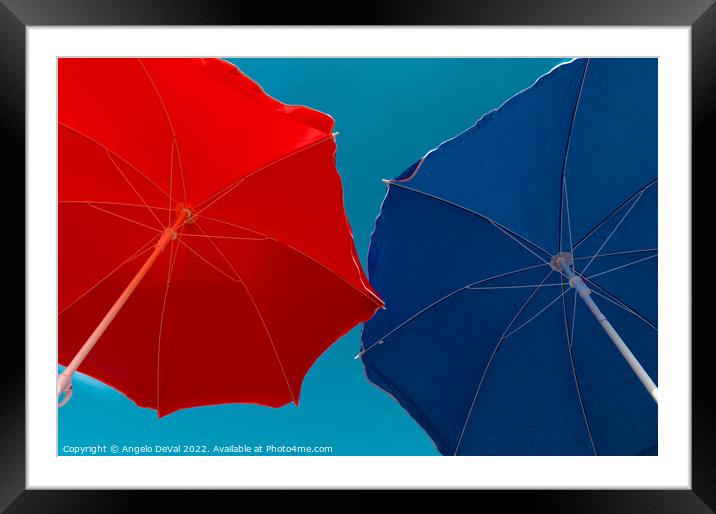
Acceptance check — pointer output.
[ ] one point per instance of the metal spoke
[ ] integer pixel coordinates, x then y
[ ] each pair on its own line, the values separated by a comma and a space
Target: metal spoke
492, 357
612, 232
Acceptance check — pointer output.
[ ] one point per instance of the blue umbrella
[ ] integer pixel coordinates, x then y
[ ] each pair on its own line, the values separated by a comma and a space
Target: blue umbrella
518, 264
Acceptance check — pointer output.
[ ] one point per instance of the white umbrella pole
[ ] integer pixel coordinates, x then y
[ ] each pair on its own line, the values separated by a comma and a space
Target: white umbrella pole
585, 294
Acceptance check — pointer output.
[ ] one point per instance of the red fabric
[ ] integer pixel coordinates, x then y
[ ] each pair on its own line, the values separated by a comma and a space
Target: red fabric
263, 281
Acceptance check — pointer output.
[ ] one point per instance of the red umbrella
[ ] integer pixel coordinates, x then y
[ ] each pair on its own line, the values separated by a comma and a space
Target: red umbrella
226, 205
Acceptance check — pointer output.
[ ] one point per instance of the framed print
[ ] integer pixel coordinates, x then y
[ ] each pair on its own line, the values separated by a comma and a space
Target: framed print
426, 248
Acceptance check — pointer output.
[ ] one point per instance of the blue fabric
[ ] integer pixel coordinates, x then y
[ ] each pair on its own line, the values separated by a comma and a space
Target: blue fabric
484, 360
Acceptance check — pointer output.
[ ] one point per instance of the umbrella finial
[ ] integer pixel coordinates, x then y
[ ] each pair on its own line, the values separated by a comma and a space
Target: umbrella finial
189, 215
562, 257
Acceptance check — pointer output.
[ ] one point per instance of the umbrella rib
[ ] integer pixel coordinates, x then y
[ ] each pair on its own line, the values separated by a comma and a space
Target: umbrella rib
631, 207
208, 262
105, 147
570, 340
614, 299
492, 357
204, 216
439, 301
368, 295
121, 204
94, 204
181, 168
258, 311
172, 260
537, 315
142, 249
616, 253
512, 234
529, 286
518, 241
564, 309
208, 236
563, 184
621, 304
171, 182
123, 217
574, 320
109, 156
212, 199
292, 248
223, 256
616, 210
574, 370
569, 218
622, 266
169, 120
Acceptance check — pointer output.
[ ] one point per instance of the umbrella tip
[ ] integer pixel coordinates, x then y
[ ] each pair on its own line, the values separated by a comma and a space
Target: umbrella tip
358, 355
335, 134
386, 181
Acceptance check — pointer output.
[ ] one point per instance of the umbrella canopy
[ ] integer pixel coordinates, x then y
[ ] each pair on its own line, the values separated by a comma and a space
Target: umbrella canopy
496, 252
227, 206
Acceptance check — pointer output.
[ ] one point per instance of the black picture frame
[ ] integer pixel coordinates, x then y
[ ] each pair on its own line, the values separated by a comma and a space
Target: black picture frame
16, 15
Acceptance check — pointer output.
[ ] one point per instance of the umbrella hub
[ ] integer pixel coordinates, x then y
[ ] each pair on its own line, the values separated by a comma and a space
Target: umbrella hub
562, 257
185, 216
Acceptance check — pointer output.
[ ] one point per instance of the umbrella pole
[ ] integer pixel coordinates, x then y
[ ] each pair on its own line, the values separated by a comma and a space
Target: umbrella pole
585, 294
64, 380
